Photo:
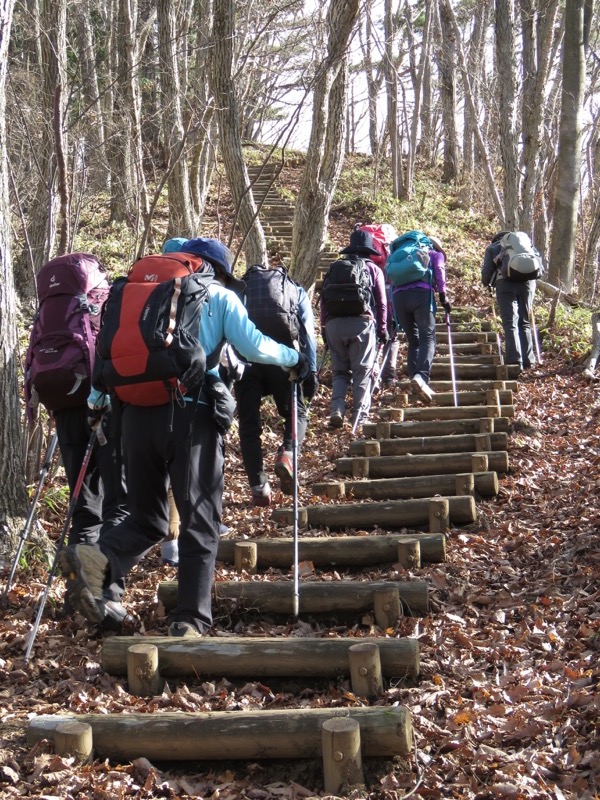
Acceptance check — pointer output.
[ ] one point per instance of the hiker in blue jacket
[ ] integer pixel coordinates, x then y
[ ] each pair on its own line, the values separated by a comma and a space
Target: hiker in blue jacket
414, 307
183, 444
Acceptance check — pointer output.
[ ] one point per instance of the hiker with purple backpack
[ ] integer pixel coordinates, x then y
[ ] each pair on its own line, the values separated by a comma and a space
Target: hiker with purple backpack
72, 290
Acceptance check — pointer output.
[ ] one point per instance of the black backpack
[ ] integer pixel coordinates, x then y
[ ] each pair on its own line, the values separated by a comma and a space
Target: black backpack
347, 288
271, 299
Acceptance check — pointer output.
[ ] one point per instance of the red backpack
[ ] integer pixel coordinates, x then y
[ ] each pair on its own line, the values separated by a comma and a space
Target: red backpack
150, 326
383, 235
72, 290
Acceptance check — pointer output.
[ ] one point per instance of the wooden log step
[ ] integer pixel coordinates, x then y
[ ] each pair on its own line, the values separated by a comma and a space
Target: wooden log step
485, 484
467, 371
390, 514
456, 443
332, 551
231, 735
446, 412
457, 325
466, 337
316, 597
460, 349
253, 657
439, 463
439, 427
403, 386
465, 398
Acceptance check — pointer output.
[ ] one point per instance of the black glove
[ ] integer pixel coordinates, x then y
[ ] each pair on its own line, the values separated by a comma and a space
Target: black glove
310, 386
193, 374
301, 370
383, 339
445, 303
223, 402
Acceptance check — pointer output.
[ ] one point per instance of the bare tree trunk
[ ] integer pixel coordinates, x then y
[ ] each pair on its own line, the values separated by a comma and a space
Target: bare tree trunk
325, 150
372, 79
391, 90
537, 36
182, 220
566, 199
13, 496
418, 90
94, 132
505, 65
226, 100
482, 149
42, 222
445, 59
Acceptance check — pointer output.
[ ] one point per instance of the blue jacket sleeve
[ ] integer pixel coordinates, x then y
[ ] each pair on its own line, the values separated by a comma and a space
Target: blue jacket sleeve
306, 318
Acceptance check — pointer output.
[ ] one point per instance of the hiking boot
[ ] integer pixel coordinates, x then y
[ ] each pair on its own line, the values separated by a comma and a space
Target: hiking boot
421, 389
115, 616
184, 630
284, 469
84, 568
261, 495
336, 420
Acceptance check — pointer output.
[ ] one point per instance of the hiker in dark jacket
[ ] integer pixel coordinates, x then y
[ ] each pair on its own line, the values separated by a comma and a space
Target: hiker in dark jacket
261, 380
352, 340
414, 307
181, 444
515, 301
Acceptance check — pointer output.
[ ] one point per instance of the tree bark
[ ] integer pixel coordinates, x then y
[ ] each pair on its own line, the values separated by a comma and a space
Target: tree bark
13, 496
566, 199
391, 92
445, 59
506, 82
227, 105
325, 151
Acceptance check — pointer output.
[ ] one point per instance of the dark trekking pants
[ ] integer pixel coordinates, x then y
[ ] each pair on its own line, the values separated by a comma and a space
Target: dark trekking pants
257, 382
189, 457
515, 301
413, 309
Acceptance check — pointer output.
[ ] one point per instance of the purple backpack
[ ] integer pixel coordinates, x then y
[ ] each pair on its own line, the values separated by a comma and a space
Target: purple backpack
72, 290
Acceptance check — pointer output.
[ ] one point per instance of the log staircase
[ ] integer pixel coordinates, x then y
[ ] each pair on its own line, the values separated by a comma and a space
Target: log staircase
416, 472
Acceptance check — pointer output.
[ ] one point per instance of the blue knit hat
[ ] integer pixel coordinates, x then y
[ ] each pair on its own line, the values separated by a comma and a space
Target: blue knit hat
217, 254
173, 245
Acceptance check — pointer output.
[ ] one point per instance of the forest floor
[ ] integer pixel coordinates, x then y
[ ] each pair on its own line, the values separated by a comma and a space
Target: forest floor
507, 704
508, 701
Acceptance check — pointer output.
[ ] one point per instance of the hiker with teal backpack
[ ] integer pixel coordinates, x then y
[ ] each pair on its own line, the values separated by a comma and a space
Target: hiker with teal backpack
416, 270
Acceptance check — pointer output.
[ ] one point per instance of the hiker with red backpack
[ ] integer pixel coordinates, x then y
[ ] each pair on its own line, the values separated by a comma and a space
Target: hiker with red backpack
416, 271
72, 290
159, 350
383, 235
280, 309
354, 319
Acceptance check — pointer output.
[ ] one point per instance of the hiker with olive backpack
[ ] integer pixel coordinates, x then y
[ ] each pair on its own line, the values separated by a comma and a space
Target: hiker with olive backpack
511, 265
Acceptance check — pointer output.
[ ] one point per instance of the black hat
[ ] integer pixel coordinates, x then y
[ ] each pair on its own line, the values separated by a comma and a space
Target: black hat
217, 254
361, 244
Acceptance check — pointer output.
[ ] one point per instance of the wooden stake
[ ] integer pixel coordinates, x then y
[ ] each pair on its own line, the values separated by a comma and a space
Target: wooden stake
465, 484
479, 462
360, 468
342, 761
245, 556
371, 448
143, 677
439, 515
409, 553
486, 425
383, 430
386, 605
74, 739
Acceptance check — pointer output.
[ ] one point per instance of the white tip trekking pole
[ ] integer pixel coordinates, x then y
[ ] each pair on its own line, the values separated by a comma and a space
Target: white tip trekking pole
295, 494
373, 384
538, 351
451, 352
61, 542
29, 521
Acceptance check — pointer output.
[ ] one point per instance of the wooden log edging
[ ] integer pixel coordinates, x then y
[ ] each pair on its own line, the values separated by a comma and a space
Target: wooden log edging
412, 466
261, 656
485, 484
385, 514
316, 597
351, 551
430, 413
455, 443
231, 735
413, 428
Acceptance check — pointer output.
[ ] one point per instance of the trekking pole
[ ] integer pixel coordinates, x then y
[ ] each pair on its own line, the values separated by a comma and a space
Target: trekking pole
295, 494
538, 351
498, 339
61, 541
323, 359
374, 382
452, 369
29, 521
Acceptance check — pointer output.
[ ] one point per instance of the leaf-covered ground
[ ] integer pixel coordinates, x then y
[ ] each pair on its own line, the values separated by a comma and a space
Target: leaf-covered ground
507, 704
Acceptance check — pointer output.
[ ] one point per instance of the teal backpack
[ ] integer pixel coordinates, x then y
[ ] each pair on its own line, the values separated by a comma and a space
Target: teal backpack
408, 261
